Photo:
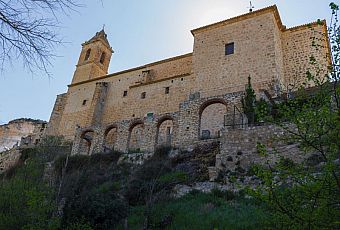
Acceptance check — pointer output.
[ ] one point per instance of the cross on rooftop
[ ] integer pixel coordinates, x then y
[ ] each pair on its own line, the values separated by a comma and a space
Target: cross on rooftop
251, 7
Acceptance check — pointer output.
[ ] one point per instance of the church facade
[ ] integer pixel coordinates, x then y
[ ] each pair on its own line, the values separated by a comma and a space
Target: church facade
182, 100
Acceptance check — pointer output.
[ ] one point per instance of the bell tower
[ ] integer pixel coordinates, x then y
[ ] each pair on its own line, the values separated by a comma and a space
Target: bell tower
94, 58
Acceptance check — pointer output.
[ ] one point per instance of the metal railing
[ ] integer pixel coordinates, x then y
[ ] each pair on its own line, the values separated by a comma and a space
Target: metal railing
238, 119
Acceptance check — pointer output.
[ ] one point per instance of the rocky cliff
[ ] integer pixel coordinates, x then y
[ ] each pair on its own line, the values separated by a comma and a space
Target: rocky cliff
12, 133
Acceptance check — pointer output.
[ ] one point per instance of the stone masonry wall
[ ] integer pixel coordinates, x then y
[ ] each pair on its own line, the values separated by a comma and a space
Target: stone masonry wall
56, 116
298, 48
254, 55
239, 147
174, 74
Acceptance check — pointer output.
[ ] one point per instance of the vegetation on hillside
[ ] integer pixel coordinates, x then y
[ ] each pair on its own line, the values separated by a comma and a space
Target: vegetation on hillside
197, 210
26, 200
98, 193
49, 189
306, 196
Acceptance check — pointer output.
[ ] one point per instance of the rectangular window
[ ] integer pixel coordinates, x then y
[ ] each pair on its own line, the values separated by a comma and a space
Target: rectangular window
229, 48
125, 93
143, 95
84, 102
167, 90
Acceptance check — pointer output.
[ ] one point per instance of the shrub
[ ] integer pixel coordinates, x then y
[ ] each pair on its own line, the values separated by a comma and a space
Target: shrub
101, 208
227, 195
26, 202
143, 179
162, 152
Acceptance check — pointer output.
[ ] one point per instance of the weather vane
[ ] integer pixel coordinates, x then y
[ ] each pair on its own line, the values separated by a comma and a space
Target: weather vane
251, 7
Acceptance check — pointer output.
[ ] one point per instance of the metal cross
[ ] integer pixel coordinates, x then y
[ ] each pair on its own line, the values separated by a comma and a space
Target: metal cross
251, 7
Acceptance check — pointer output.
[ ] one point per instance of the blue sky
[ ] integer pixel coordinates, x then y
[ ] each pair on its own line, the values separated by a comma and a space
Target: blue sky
139, 32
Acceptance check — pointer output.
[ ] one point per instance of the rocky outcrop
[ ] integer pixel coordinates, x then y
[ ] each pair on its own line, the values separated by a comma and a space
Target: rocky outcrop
21, 132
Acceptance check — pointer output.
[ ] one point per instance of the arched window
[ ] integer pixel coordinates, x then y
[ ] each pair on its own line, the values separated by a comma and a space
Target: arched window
87, 56
102, 58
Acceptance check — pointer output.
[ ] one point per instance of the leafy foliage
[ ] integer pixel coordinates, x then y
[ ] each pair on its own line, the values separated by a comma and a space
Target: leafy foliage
26, 202
153, 179
91, 187
197, 210
306, 196
101, 208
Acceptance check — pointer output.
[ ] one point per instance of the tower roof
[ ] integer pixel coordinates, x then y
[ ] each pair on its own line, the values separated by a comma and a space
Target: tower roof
99, 36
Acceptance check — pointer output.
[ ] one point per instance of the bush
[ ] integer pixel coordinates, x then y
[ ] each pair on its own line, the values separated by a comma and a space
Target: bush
227, 195
79, 225
162, 152
26, 202
145, 178
101, 208
199, 210
50, 141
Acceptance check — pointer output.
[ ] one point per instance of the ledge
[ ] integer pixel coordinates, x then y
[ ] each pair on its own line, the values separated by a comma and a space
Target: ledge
160, 80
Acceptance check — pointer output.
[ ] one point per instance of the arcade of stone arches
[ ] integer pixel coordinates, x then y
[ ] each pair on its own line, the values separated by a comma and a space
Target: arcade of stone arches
133, 136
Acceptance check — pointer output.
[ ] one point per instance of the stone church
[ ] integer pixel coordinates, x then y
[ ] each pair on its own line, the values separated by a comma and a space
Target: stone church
190, 98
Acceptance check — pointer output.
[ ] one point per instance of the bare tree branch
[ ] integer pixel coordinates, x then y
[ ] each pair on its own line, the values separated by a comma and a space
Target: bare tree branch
28, 31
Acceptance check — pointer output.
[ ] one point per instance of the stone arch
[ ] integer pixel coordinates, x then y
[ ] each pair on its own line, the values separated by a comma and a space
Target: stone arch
86, 141
211, 118
102, 57
87, 55
136, 136
110, 138
164, 131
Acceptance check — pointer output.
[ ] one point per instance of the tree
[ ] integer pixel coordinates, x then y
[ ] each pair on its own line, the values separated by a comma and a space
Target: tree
248, 102
27, 31
151, 183
306, 195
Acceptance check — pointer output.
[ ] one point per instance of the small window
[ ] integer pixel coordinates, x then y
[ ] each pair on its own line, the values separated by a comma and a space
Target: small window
84, 102
229, 48
102, 58
87, 56
167, 90
143, 95
125, 93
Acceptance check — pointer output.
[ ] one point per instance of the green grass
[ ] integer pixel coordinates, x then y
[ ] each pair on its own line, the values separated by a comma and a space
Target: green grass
203, 211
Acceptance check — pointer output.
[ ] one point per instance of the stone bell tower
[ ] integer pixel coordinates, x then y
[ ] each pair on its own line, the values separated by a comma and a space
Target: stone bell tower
94, 58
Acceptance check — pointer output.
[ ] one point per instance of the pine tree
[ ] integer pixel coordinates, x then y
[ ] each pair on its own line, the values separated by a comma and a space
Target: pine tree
248, 102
